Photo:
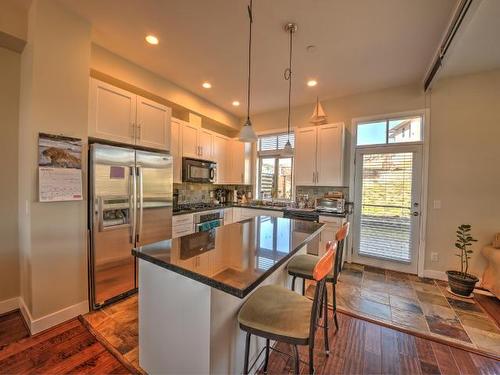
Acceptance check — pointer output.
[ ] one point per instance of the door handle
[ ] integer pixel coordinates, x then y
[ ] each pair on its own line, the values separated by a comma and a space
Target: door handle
141, 202
133, 204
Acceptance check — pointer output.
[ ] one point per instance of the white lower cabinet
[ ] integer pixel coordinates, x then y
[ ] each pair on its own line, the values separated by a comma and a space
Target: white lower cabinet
182, 225
332, 225
228, 216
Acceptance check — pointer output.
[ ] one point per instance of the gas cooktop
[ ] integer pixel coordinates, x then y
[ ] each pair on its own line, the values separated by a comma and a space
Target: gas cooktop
196, 206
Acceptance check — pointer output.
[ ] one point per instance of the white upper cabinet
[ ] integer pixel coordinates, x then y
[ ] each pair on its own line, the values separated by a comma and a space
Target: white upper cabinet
330, 152
305, 156
238, 163
205, 140
153, 124
190, 147
112, 113
219, 151
176, 150
319, 155
121, 116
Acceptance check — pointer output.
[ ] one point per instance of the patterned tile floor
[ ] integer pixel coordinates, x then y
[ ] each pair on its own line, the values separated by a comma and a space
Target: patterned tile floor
416, 304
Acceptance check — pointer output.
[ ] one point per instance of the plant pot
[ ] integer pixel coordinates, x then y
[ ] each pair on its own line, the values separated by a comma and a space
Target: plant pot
461, 284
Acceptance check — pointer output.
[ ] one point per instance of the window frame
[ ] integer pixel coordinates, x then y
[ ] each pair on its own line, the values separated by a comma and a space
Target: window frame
277, 154
387, 120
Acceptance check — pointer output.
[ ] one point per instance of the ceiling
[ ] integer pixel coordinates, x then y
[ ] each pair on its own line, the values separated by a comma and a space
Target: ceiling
360, 45
476, 48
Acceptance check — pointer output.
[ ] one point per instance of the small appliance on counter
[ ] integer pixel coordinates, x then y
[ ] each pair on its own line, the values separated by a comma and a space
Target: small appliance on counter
330, 205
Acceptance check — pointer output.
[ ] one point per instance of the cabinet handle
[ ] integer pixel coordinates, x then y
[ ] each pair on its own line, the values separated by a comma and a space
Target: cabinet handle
317, 177
314, 177
139, 131
201, 150
242, 178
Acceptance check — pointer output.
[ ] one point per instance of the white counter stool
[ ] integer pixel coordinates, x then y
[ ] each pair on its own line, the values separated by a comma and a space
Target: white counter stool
302, 266
276, 313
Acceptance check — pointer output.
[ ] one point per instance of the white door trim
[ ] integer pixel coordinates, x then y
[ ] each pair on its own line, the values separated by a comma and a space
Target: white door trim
425, 113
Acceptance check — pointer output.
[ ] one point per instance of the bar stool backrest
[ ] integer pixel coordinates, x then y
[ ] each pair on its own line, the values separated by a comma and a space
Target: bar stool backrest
340, 236
321, 271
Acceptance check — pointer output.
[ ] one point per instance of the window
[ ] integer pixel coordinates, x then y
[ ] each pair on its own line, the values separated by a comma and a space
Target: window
274, 177
400, 130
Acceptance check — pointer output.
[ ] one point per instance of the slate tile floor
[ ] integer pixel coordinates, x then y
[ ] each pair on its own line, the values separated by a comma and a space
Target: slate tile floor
417, 304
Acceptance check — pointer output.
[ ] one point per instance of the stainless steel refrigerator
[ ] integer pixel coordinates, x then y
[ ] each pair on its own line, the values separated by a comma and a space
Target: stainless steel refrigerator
130, 205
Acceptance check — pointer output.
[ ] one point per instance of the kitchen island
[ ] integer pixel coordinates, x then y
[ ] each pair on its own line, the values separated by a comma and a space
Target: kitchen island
191, 289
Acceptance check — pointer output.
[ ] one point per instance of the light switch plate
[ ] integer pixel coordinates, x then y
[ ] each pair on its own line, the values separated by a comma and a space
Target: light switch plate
437, 204
434, 257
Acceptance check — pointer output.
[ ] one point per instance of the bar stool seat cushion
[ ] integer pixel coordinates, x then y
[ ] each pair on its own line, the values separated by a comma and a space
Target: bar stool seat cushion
303, 265
276, 310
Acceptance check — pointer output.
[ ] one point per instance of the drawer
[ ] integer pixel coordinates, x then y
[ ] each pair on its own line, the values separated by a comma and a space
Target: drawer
182, 220
183, 230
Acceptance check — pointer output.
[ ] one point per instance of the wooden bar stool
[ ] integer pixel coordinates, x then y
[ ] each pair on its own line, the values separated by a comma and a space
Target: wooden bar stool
277, 313
303, 265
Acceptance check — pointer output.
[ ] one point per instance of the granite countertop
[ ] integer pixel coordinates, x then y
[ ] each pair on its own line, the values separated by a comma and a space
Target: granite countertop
234, 258
252, 206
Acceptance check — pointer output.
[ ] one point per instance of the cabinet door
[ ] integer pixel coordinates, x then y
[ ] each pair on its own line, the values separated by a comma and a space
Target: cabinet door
305, 156
239, 162
190, 141
205, 144
220, 145
153, 124
330, 155
112, 113
228, 216
176, 151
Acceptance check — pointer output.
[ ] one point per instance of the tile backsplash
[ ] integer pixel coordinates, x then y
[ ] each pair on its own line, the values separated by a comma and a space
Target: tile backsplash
319, 191
196, 193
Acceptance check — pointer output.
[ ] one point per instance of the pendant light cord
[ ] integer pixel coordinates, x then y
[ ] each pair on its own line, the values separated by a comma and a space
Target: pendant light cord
288, 77
250, 16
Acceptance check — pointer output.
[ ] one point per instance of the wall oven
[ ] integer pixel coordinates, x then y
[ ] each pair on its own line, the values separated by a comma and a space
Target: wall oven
194, 170
208, 220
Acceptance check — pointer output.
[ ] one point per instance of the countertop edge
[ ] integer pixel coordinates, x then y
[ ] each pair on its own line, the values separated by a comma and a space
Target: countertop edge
219, 285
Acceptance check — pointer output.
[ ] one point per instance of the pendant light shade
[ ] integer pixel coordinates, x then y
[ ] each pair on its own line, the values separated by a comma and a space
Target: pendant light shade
247, 134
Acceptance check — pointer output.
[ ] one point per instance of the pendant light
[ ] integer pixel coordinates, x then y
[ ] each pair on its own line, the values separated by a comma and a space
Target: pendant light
247, 134
290, 28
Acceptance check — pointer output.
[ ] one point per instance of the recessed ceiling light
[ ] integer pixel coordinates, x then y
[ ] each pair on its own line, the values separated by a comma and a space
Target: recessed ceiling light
207, 85
312, 83
236, 103
151, 39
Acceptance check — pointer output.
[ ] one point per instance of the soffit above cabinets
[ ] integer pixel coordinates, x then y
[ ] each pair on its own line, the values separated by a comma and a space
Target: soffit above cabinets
360, 46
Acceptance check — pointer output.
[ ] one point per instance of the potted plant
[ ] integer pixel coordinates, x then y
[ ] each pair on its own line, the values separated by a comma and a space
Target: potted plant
461, 282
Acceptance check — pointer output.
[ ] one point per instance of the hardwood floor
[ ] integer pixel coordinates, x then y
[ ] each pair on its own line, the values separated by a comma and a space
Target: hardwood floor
67, 348
491, 305
361, 347
12, 328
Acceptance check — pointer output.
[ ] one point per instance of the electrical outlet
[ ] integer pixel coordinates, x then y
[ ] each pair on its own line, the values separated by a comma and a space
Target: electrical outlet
434, 257
437, 204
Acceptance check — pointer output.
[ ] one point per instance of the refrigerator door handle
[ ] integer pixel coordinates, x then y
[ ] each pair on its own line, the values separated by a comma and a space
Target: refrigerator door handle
141, 202
133, 203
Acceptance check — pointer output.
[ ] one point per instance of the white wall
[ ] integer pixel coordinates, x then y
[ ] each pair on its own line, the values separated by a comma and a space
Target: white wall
54, 99
464, 153
10, 65
464, 170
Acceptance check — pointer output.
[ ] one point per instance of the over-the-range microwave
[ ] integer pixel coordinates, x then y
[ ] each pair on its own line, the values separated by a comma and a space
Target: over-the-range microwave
194, 170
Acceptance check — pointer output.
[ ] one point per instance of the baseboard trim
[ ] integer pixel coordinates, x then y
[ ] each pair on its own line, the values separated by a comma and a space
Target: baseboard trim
438, 275
45, 322
9, 305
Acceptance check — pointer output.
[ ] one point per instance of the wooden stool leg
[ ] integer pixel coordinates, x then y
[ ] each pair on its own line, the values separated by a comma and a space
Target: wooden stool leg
296, 359
266, 361
247, 353
311, 359
325, 320
293, 283
303, 286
